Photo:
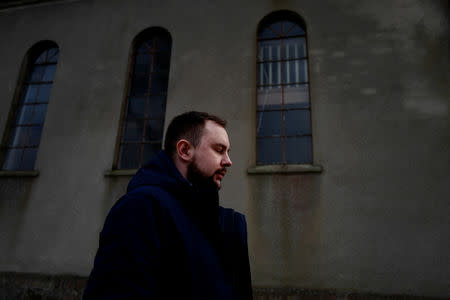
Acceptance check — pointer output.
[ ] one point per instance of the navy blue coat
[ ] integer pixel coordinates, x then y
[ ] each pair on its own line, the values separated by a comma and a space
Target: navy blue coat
168, 239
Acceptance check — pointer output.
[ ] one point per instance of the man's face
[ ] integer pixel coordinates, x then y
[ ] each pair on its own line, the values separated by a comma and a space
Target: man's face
211, 158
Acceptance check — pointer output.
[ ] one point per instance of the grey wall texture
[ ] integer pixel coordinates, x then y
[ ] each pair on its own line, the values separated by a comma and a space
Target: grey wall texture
376, 219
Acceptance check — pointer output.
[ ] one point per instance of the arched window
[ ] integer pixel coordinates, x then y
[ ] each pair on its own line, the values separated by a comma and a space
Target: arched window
25, 129
284, 115
142, 123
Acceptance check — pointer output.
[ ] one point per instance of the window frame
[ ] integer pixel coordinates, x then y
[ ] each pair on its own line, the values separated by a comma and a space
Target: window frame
280, 16
145, 35
27, 67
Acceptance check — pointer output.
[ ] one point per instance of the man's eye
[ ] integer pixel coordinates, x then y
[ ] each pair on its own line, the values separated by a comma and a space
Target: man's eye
219, 150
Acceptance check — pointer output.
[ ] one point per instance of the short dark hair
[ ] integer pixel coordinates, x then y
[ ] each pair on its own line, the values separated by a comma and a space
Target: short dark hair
188, 126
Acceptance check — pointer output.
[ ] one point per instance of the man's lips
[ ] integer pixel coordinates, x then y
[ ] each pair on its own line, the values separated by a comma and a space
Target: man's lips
221, 173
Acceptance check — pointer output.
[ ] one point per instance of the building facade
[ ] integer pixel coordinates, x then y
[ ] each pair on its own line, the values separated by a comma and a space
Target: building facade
338, 118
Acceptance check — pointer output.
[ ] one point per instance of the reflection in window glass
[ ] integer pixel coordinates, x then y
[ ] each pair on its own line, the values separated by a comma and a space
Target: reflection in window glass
270, 150
269, 123
143, 122
25, 134
298, 150
297, 122
284, 116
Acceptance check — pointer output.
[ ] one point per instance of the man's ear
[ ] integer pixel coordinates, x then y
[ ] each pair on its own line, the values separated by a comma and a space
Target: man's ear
185, 151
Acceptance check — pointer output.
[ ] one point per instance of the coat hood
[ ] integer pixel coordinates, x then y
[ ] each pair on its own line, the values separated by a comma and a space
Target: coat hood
160, 172
201, 202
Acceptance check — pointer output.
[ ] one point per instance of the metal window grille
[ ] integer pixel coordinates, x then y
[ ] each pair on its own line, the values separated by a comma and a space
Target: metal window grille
283, 102
25, 134
142, 126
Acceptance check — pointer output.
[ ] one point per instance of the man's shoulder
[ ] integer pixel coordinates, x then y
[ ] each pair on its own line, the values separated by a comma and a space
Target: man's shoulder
232, 220
144, 197
225, 211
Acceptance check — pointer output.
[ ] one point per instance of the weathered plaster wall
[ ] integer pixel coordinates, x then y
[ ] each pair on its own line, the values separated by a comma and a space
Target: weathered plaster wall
375, 220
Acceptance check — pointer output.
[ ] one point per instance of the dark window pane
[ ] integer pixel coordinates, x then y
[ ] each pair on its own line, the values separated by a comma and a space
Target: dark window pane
18, 137
143, 62
157, 107
13, 157
267, 33
270, 150
53, 54
30, 112
294, 48
297, 122
129, 156
269, 123
298, 150
34, 136
37, 74
276, 26
44, 92
269, 97
136, 107
133, 131
269, 50
29, 158
149, 152
139, 86
24, 114
49, 73
42, 58
161, 62
295, 71
30, 91
146, 100
39, 113
162, 43
154, 130
159, 83
144, 47
296, 96
292, 29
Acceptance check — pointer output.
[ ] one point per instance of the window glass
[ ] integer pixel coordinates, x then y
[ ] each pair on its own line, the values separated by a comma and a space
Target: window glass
24, 114
298, 150
296, 96
270, 150
13, 158
26, 130
150, 149
284, 116
153, 130
129, 156
44, 93
269, 123
143, 123
297, 122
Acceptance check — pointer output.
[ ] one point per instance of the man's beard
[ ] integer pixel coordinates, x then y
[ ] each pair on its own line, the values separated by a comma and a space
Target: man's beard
198, 178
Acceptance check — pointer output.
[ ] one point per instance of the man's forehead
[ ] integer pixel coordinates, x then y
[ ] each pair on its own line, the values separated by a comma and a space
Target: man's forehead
215, 133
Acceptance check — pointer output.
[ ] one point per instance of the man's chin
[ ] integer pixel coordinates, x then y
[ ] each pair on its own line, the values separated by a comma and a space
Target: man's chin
218, 184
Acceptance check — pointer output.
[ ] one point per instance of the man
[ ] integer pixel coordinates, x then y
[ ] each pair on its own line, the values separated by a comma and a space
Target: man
168, 238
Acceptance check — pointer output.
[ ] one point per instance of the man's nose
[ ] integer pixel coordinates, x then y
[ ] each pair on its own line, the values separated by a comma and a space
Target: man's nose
226, 161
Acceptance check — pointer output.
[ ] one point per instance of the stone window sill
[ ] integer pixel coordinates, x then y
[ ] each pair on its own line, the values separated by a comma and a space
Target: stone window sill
30, 173
128, 172
284, 169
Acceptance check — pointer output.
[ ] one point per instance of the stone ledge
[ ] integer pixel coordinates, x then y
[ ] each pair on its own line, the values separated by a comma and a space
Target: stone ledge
31, 173
129, 172
26, 286
285, 169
